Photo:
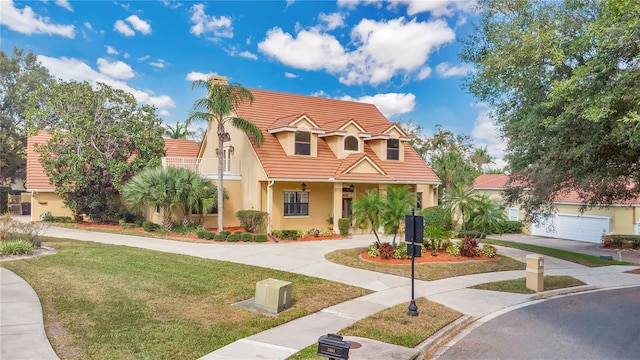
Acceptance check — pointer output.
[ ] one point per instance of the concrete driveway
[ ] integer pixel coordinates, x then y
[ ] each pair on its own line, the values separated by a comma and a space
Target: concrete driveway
571, 245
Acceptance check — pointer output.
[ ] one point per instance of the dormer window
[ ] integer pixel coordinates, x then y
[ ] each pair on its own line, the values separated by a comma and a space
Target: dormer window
303, 143
351, 143
393, 149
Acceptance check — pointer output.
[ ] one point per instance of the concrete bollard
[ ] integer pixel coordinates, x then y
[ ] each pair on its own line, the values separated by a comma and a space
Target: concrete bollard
535, 272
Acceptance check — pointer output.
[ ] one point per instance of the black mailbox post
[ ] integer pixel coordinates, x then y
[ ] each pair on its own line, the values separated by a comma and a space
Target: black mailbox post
332, 347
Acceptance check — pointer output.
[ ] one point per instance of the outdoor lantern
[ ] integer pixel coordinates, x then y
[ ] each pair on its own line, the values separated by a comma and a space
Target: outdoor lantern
231, 149
352, 187
304, 187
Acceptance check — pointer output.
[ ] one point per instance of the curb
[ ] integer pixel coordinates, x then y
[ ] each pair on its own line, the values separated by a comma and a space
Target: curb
442, 335
565, 291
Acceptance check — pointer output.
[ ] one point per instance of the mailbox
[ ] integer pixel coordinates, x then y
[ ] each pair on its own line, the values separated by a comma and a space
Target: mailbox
535, 272
332, 347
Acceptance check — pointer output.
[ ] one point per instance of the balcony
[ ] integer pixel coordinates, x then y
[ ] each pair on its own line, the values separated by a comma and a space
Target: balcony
205, 167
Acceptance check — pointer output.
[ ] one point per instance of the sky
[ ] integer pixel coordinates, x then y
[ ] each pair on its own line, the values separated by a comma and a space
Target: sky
401, 55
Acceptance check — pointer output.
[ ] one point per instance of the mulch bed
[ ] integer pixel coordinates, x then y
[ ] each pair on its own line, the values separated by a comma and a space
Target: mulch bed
427, 258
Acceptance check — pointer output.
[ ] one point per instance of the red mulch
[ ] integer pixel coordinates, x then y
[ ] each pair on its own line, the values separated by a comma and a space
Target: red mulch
427, 258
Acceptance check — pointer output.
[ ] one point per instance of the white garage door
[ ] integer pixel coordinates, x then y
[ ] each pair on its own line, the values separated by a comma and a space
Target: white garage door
573, 227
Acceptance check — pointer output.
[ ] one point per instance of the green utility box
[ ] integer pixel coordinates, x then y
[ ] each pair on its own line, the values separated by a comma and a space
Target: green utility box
273, 295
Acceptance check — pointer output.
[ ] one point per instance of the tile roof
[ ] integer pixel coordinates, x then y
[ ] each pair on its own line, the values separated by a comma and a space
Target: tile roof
499, 181
38, 180
269, 107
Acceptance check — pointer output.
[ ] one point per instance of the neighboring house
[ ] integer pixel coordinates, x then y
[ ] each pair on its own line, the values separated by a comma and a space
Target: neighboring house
568, 222
43, 196
318, 156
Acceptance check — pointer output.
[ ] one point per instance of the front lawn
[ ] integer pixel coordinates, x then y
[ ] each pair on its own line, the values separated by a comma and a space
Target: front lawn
425, 271
519, 286
117, 302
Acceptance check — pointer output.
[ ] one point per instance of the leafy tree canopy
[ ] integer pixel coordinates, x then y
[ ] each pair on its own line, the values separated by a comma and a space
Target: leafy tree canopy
100, 138
21, 74
563, 79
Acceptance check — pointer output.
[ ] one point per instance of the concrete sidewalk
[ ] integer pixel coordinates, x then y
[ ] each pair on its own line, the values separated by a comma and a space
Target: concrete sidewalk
308, 258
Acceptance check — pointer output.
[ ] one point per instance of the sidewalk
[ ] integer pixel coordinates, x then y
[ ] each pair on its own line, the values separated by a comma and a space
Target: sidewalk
308, 258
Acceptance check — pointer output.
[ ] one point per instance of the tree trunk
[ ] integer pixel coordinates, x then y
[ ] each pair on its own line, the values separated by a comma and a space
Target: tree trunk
220, 205
167, 222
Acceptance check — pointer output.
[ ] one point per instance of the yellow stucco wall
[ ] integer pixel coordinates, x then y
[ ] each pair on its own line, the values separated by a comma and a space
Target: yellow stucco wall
47, 202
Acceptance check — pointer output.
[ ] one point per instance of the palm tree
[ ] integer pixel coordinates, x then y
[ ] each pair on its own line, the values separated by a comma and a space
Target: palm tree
218, 108
487, 215
397, 204
367, 211
154, 188
190, 189
480, 157
459, 202
452, 169
180, 131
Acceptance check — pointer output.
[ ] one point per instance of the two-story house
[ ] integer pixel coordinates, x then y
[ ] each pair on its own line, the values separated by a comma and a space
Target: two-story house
318, 156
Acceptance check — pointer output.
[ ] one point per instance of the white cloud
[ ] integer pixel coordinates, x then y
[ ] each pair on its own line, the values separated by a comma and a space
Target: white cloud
116, 69
195, 75
124, 29
332, 21
486, 133
446, 70
65, 4
143, 58
25, 21
163, 112
73, 69
424, 73
218, 26
139, 24
389, 104
172, 4
290, 75
248, 55
436, 7
311, 50
160, 64
112, 51
88, 25
386, 48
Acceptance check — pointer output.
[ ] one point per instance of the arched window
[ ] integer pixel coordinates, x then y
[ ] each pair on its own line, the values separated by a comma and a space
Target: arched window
303, 142
351, 143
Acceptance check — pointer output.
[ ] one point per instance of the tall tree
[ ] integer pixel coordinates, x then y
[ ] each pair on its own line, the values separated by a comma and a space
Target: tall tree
367, 211
487, 215
564, 83
179, 131
20, 75
453, 169
460, 202
99, 139
397, 203
218, 109
479, 158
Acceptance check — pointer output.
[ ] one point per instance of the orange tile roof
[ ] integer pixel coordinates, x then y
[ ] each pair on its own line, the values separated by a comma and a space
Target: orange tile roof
270, 106
38, 180
499, 182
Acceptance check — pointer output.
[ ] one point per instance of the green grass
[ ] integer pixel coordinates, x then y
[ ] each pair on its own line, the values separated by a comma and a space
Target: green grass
394, 326
578, 258
425, 271
519, 286
116, 302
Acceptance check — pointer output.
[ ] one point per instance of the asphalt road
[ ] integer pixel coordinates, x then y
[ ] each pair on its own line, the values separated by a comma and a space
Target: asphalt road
595, 325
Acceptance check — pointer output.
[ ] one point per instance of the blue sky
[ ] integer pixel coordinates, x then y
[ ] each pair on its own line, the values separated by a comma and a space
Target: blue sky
401, 55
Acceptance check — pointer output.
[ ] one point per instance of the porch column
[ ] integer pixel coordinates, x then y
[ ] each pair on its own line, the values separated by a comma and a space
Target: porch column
337, 205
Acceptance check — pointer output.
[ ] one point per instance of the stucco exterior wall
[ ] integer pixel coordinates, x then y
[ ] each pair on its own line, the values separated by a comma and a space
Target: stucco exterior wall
48, 202
621, 217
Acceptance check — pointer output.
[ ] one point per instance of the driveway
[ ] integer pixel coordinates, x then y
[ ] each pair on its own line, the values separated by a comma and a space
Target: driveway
571, 245
595, 325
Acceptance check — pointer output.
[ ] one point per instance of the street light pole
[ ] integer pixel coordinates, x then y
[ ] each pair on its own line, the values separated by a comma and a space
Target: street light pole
413, 308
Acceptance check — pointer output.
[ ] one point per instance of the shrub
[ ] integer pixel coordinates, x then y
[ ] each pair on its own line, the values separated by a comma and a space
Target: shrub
204, 234
621, 241
7, 225
128, 225
469, 247
253, 220
343, 226
31, 232
373, 250
191, 229
314, 232
489, 250
386, 251
288, 234
400, 251
246, 237
220, 237
4, 199
148, 226
225, 233
260, 237
56, 219
238, 232
201, 234
16, 247
453, 249
511, 227
233, 238
437, 216
326, 232
277, 233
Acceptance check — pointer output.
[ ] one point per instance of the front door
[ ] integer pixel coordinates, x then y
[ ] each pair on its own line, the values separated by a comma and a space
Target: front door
346, 207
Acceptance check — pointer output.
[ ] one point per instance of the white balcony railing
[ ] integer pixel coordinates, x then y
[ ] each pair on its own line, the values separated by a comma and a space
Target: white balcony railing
206, 167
